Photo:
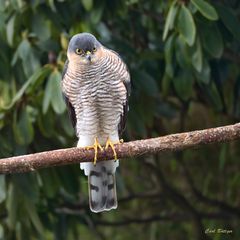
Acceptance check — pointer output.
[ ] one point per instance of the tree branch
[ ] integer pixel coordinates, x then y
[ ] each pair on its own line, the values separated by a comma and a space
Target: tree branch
173, 142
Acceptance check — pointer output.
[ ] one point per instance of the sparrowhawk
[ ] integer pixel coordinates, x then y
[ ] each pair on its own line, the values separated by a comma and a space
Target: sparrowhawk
96, 87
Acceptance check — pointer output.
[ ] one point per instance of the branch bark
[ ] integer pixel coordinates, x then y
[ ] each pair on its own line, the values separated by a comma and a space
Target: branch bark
173, 142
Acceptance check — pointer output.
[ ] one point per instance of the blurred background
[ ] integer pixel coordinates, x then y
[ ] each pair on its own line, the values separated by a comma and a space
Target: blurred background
184, 59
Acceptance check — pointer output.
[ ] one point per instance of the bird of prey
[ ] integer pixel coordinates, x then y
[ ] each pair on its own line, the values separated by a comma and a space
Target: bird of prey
96, 87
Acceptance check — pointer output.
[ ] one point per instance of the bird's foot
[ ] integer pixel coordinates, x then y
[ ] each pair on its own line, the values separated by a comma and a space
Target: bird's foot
95, 146
109, 143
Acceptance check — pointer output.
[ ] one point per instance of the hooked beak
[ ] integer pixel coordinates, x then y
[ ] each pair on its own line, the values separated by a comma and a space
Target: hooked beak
88, 56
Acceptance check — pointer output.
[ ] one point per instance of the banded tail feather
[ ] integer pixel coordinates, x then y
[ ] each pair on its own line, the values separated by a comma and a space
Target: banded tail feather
101, 185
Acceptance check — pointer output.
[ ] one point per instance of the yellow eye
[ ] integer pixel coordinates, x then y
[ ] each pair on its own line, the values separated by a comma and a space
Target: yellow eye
94, 49
79, 51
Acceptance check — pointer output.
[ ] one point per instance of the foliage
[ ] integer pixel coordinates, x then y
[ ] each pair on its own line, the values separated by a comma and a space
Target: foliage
184, 64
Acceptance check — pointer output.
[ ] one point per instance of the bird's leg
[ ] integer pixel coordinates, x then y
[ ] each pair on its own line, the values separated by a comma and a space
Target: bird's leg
95, 146
109, 143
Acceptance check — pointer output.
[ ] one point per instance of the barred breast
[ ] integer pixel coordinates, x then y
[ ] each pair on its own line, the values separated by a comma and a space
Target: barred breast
97, 94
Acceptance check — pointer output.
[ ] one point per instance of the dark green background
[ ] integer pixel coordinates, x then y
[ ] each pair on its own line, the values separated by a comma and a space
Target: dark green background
184, 61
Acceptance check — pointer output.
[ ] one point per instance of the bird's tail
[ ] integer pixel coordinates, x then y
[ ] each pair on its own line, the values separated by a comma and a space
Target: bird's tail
101, 185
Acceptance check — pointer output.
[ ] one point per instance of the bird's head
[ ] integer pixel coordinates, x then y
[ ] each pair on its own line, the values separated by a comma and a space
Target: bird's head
83, 48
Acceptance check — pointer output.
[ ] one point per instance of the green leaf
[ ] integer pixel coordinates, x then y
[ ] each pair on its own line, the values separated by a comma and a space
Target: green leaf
11, 205
212, 40
64, 41
131, 2
96, 14
52, 5
30, 191
27, 54
53, 94
2, 188
205, 9
183, 84
87, 4
168, 53
46, 124
166, 82
50, 176
182, 52
5, 96
3, 5
10, 29
26, 85
6, 142
170, 19
23, 49
204, 75
57, 100
197, 59
186, 25
32, 212
230, 20
41, 27
147, 83
47, 97
1, 232
40, 75
23, 129
192, 8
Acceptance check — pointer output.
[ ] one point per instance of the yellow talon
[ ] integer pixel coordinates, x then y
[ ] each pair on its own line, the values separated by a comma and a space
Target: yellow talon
111, 144
95, 146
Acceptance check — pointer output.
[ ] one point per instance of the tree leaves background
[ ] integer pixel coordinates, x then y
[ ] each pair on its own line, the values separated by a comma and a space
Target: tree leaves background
184, 61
